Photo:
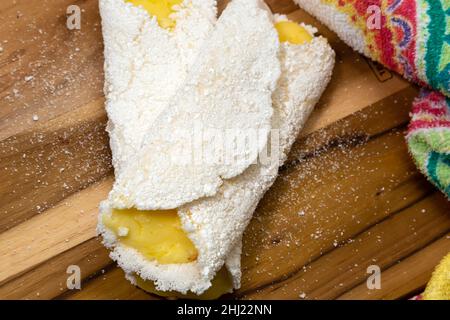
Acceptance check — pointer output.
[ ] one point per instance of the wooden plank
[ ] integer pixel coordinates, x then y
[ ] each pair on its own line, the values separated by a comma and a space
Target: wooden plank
65, 226
43, 167
48, 279
282, 6
406, 277
348, 180
384, 115
341, 191
66, 66
109, 286
337, 271
50, 72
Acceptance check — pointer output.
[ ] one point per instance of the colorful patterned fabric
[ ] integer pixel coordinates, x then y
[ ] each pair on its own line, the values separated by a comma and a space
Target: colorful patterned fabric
411, 37
429, 137
439, 286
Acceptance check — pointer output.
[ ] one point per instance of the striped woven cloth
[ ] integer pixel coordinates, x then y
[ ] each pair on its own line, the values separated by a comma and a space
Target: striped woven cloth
411, 37
429, 137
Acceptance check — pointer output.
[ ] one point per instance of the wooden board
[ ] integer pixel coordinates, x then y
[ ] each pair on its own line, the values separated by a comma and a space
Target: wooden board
349, 196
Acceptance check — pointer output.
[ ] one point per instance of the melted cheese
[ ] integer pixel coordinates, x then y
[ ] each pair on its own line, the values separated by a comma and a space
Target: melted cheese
292, 33
157, 235
161, 9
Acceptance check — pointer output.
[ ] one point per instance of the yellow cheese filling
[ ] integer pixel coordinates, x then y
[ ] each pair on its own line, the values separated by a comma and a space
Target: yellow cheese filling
161, 9
292, 32
157, 235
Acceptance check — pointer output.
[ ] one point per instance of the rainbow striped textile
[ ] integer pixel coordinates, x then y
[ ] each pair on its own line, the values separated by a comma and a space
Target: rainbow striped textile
411, 37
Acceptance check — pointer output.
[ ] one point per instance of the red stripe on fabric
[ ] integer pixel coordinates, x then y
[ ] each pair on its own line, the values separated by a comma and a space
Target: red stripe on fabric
423, 124
426, 107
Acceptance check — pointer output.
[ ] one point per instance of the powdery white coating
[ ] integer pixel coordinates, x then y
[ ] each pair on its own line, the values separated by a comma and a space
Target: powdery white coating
216, 224
145, 64
229, 89
336, 21
130, 62
233, 263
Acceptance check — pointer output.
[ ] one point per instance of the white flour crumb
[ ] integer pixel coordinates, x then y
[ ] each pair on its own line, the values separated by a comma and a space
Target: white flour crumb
122, 232
35, 117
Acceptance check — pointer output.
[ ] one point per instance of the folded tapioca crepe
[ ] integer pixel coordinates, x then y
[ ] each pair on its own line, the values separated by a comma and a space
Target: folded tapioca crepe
149, 47
175, 224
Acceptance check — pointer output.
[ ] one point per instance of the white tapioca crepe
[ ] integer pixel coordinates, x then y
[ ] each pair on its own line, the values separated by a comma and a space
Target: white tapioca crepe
336, 21
263, 86
145, 64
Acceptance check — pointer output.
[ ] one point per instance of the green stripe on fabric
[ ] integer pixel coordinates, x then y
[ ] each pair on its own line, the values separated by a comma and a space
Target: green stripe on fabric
447, 163
432, 165
447, 192
437, 31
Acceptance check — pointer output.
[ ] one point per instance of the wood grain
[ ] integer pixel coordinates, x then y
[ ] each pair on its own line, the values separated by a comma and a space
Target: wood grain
47, 280
348, 197
407, 275
111, 286
68, 224
66, 150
